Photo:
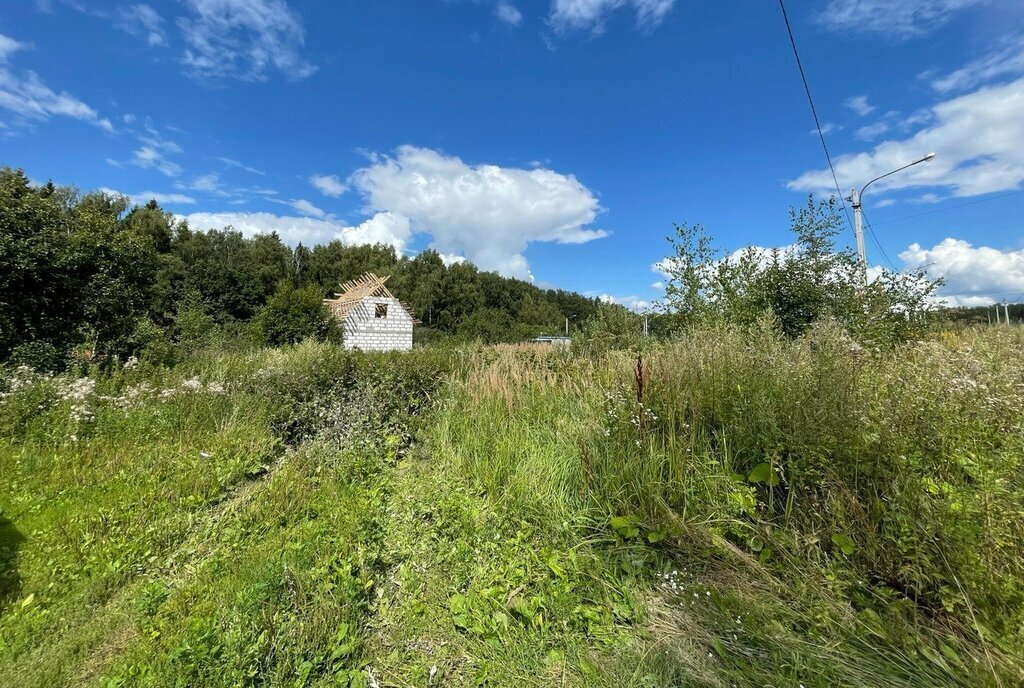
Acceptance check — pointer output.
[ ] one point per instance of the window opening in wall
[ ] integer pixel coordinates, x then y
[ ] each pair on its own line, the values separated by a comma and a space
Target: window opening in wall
382, 310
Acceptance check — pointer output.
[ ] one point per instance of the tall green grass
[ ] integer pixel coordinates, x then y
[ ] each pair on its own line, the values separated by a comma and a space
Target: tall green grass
883, 486
730, 508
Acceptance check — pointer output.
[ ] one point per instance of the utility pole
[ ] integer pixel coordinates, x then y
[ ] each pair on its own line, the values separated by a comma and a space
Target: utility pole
1006, 311
645, 324
567, 326
858, 232
858, 215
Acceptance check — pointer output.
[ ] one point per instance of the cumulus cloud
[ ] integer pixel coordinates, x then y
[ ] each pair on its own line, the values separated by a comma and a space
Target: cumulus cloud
633, 303
488, 213
591, 15
977, 137
974, 275
243, 39
328, 184
382, 228
29, 98
450, 259
508, 13
900, 19
145, 22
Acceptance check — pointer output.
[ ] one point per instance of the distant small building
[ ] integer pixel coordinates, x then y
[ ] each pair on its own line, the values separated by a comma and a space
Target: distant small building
552, 339
371, 318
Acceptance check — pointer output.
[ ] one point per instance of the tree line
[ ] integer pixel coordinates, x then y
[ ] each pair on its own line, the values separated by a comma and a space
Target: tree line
90, 276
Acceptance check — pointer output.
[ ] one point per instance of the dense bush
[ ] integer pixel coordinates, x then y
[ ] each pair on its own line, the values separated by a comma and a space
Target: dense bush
798, 285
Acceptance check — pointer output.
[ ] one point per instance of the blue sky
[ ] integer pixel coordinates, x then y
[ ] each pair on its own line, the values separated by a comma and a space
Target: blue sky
554, 140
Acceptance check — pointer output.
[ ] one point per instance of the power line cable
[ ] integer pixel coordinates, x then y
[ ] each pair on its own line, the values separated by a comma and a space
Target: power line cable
951, 207
874, 237
814, 112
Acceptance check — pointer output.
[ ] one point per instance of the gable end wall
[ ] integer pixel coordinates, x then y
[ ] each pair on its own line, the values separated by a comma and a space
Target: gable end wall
362, 330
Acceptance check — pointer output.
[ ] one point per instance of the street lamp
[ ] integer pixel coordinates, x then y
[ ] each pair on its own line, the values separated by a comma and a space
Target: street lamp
858, 215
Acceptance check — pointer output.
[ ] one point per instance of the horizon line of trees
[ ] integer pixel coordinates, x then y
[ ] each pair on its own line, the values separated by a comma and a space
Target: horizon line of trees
89, 275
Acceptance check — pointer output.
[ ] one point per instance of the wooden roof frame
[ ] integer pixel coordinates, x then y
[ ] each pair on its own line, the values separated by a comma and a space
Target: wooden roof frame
355, 290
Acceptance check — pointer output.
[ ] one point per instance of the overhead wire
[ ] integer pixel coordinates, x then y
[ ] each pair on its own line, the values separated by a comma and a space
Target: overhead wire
874, 237
814, 111
950, 207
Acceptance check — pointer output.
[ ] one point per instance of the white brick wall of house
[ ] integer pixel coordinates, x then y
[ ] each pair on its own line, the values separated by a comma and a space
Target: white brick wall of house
364, 330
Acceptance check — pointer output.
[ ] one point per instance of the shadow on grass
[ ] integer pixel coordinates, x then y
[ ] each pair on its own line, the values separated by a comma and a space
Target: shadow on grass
10, 582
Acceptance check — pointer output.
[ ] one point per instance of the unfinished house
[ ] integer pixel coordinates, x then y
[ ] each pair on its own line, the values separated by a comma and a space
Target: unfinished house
371, 318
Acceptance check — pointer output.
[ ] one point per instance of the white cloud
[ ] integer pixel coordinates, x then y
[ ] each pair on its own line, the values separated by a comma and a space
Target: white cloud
871, 131
306, 208
977, 137
860, 105
206, 182
384, 228
149, 158
974, 275
144, 197
893, 18
826, 129
508, 13
152, 155
30, 99
234, 163
243, 39
9, 46
658, 285
590, 15
633, 303
488, 213
328, 184
1007, 60
143, 21
450, 259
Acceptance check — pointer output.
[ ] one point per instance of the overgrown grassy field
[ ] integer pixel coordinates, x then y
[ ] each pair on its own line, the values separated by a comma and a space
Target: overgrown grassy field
728, 508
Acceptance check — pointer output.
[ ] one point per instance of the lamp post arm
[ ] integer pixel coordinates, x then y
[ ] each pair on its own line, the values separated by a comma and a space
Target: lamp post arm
898, 169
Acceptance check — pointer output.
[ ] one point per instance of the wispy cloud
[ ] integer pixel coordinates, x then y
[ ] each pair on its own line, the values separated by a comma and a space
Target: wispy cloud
860, 105
145, 22
234, 163
900, 19
25, 94
508, 13
306, 208
243, 39
977, 137
591, 15
1007, 60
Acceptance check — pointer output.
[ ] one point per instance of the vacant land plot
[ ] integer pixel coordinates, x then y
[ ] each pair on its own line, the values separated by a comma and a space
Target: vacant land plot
728, 508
